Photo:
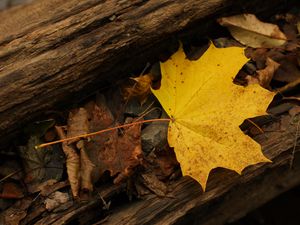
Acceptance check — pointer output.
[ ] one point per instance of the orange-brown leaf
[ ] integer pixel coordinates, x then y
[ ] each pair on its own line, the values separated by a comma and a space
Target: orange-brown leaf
141, 89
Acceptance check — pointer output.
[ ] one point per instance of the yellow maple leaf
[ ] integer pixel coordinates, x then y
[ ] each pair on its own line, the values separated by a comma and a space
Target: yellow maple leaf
206, 109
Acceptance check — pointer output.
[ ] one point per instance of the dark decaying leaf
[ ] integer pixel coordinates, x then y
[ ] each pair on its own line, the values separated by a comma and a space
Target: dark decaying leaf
154, 184
113, 151
117, 153
41, 164
11, 190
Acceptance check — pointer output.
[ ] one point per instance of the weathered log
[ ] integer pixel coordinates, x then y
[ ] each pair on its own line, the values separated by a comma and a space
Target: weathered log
228, 197
54, 50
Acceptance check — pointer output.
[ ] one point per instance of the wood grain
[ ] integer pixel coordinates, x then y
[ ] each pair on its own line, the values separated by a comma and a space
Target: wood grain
52, 51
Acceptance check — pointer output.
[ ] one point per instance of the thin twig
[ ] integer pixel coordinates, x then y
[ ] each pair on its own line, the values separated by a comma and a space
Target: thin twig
101, 131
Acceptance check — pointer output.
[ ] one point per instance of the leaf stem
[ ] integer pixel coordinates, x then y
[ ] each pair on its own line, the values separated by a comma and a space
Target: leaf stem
101, 131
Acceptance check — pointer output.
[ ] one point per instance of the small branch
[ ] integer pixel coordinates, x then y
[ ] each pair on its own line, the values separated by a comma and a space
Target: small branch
101, 131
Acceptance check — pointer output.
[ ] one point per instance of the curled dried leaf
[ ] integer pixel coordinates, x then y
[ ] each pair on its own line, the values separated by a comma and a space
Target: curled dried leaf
86, 168
72, 163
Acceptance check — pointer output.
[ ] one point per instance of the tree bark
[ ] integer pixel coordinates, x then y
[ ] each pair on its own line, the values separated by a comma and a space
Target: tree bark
228, 197
55, 50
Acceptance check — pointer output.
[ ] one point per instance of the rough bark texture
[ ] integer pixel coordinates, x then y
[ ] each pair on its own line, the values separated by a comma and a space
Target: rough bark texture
229, 196
54, 50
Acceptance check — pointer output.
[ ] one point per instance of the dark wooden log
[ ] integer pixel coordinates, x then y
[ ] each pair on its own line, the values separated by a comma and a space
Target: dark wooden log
228, 197
55, 50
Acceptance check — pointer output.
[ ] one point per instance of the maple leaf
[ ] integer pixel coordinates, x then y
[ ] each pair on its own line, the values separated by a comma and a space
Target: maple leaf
206, 109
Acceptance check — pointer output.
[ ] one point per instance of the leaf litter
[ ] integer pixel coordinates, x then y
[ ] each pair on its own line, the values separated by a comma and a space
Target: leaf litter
131, 154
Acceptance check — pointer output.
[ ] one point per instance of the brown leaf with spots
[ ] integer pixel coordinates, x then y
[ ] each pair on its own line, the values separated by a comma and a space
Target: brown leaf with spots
110, 151
116, 152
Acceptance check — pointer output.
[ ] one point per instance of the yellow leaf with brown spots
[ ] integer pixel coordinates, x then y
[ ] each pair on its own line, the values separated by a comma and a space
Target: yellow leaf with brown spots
206, 110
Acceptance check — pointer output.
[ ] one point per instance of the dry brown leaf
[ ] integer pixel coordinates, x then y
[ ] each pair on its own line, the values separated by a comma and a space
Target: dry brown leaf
86, 168
128, 152
117, 153
167, 161
56, 199
77, 123
141, 89
72, 163
250, 31
154, 184
110, 151
265, 75
289, 70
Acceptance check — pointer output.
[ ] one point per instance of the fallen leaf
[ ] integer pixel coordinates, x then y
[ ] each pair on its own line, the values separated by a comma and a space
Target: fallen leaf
288, 71
206, 109
141, 89
112, 151
118, 153
72, 163
86, 168
56, 199
154, 184
41, 164
77, 123
250, 31
128, 153
265, 75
